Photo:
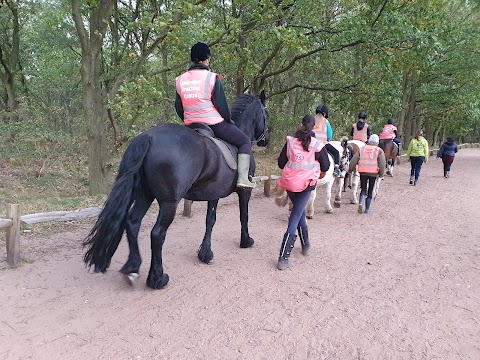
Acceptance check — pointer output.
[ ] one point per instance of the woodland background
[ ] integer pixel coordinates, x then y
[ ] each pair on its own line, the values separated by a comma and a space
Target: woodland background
79, 79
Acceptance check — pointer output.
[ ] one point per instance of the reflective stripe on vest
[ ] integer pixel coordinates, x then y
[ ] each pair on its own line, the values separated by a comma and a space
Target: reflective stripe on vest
360, 134
368, 162
301, 169
388, 132
321, 130
195, 88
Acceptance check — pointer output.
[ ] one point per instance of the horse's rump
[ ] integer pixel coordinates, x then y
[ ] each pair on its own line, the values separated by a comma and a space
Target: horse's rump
389, 148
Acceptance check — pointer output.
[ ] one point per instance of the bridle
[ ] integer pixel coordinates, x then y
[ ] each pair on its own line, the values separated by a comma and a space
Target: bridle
263, 136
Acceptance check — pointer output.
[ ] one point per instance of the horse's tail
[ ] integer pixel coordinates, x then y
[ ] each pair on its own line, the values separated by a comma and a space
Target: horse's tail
107, 232
281, 197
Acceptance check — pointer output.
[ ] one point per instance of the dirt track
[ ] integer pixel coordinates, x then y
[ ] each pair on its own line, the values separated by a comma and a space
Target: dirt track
400, 283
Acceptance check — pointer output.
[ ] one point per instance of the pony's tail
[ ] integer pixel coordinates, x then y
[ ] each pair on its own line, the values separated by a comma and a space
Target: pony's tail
281, 197
107, 232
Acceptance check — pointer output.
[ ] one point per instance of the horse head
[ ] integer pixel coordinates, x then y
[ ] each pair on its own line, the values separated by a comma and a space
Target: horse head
251, 115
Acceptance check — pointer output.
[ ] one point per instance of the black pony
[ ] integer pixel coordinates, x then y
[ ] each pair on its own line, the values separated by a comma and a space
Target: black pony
168, 163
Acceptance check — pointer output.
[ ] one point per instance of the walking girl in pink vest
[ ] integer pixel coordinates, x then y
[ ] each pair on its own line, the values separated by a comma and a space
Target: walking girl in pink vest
303, 159
200, 98
371, 164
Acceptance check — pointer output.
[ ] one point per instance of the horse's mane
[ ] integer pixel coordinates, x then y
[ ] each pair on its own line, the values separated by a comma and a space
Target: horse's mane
240, 104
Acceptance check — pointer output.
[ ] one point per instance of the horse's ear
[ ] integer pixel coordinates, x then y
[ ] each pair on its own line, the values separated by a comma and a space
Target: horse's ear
262, 97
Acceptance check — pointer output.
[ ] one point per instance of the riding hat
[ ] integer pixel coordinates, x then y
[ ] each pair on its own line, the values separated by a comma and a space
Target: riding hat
390, 121
373, 139
199, 52
362, 115
322, 110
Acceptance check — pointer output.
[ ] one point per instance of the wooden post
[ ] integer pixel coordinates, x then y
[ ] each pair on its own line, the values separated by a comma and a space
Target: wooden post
187, 208
13, 235
266, 186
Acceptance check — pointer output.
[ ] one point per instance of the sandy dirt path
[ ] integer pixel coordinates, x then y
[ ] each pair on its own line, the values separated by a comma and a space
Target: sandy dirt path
400, 283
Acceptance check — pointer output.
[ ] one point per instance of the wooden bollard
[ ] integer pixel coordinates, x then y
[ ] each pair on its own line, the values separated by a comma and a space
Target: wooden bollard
187, 208
13, 235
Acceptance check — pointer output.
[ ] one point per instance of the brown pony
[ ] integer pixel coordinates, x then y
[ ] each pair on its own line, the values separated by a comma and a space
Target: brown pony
391, 151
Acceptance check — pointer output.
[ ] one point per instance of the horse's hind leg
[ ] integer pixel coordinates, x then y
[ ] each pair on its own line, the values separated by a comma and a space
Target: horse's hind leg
132, 227
338, 198
157, 279
205, 253
244, 198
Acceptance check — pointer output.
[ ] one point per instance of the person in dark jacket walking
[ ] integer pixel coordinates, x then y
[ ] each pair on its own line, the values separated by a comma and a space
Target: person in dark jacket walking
447, 153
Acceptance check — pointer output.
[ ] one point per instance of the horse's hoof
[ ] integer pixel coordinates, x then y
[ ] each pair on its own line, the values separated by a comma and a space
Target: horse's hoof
247, 244
337, 204
329, 211
310, 217
157, 284
206, 258
131, 278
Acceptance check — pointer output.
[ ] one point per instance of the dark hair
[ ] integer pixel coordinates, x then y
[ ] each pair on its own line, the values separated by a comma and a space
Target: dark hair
418, 133
304, 133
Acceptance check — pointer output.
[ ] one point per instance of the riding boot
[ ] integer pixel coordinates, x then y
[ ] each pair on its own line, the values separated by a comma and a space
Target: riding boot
444, 173
285, 251
447, 174
368, 201
360, 202
243, 168
411, 180
303, 236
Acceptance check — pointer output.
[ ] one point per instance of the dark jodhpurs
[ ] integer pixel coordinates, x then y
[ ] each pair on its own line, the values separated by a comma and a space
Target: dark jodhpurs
336, 155
297, 216
367, 183
232, 134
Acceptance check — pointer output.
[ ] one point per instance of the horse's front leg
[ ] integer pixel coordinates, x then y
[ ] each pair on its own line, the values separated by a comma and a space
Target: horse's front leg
328, 190
244, 195
310, 211
157, 279
338, 197
132, 227
355, 181
205, 253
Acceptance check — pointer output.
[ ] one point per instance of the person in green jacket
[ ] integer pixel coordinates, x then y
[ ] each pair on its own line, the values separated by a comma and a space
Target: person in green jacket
417, 153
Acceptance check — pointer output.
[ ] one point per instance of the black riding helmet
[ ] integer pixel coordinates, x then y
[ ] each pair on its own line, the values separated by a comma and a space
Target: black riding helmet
390, 121
362, 115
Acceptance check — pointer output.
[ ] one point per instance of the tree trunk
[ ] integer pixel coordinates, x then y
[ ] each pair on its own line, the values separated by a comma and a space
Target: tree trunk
95, 114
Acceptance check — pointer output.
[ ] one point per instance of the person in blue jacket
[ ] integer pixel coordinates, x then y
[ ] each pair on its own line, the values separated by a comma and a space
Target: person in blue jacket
447, 153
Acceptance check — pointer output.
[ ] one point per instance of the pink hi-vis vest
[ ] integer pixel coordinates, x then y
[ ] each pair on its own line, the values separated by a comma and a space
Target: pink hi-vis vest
195, 88
368, 162
301, 169
388, 132
360, 134
321, 131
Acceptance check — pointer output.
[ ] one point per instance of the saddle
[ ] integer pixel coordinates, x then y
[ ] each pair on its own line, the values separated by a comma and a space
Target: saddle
228, 151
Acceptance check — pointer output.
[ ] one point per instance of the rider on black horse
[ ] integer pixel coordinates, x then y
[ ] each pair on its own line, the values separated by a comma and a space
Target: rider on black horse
200, 98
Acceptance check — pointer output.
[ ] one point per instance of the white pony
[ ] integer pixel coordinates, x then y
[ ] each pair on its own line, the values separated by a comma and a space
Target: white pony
281, 198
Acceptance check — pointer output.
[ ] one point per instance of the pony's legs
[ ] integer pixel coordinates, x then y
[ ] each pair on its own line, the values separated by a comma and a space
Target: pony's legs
132, 227
157, 279
310, 211
205, 253
355, 181
338, 197
328, 190
244, 195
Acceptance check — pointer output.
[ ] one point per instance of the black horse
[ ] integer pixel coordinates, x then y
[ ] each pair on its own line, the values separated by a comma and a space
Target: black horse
168, 163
